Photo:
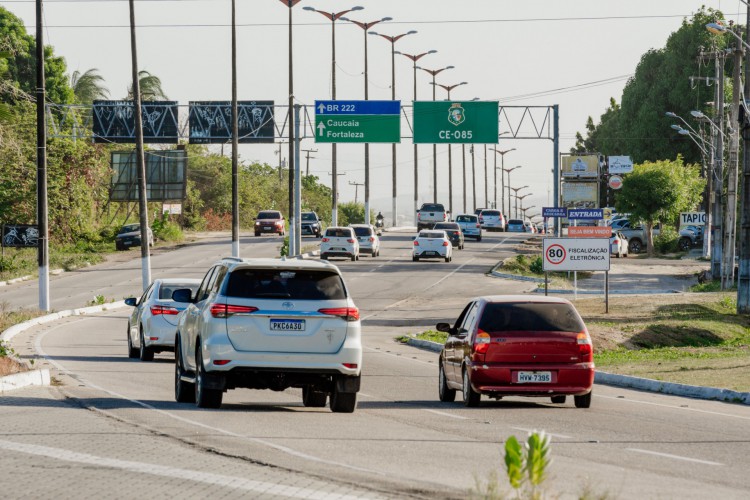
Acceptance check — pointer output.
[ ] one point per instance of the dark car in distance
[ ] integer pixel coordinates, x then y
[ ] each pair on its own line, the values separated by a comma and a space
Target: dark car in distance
270, 221
129, 236
310, 224
515, 345
453, 230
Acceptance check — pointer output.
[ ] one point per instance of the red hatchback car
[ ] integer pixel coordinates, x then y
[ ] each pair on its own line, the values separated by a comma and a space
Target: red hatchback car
515, 345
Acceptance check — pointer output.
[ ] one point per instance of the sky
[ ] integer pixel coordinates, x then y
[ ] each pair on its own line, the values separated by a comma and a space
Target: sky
576, 54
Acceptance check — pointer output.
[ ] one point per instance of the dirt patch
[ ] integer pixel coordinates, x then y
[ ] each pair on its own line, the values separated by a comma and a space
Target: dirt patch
9, 366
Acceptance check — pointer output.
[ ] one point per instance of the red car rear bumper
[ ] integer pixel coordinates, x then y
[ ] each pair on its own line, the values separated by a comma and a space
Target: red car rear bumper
569, 379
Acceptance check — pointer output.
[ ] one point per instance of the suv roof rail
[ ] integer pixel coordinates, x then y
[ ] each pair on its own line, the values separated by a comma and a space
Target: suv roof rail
232, 259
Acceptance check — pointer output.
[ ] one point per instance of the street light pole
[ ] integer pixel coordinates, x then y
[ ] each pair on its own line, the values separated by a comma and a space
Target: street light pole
516, 190
486, 197
41, 164
415, 58
365, 27
434, 73
393, 40
502, 176
508, 171
473, 178
333, 17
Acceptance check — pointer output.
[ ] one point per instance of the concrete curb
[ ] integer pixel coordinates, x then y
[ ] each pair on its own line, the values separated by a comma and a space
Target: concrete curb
641, 384
24, 379
42, 377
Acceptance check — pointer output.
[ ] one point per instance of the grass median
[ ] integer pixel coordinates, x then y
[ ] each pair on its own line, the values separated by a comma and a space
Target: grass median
691, 338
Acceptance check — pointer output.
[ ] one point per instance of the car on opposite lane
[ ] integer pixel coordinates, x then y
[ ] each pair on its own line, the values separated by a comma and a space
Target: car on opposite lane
270, 221
453, 230
339, 242
153, 321
469, 224
310, 224
432, 244
369, 241
269, 324
516, 345
129, 236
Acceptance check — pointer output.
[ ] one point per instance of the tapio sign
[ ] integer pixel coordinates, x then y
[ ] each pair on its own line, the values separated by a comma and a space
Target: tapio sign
692, 218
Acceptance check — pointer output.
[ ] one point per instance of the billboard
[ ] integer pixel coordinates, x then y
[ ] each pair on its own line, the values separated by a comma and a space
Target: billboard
20, 235
580, 195
620, 165
166, 176
451, 122
580, 166
211, 122
114, 121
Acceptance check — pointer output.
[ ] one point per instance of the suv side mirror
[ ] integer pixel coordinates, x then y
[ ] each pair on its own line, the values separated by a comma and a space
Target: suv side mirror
182, 295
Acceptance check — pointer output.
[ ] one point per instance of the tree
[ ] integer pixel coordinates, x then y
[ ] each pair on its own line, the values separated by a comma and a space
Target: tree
88, 86
21, 66
151, 89
661, 83
658, 192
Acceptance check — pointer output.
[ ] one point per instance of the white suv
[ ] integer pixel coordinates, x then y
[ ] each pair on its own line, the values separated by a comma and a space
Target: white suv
269, 324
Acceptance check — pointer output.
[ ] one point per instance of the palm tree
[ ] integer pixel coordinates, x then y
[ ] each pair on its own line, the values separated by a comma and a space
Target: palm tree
150, 87
88, 86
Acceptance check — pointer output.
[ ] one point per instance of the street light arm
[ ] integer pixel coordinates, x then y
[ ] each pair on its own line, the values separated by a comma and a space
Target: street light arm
699, 115
675, 115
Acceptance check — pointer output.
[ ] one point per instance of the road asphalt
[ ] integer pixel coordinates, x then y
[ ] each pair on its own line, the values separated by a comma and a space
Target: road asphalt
626, 276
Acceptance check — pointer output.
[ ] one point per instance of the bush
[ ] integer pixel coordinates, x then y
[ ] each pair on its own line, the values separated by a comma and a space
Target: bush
165, 229
667, 241
537, 265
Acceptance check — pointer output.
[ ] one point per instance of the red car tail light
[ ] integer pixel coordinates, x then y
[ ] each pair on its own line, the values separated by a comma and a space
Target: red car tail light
325, 240
585, 347
159, 310
371, 239
348, 313
481, 342
352, 366
445, 243
226, 310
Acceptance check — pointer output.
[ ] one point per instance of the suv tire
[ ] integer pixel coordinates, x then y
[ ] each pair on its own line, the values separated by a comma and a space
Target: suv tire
184, 392
312, 398
343, 402
204, 397
471, 397
685, 244
446, 394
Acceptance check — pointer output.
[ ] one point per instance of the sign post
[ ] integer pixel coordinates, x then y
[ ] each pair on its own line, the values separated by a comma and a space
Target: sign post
358, 121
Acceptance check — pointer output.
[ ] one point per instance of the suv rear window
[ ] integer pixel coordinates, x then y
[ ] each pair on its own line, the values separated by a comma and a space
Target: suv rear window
466, 218
432, 207
491, 213
362, 231
287, 284
528, 317
516, 222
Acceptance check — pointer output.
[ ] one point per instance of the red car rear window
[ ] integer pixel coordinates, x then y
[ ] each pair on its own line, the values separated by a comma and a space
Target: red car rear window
529, 316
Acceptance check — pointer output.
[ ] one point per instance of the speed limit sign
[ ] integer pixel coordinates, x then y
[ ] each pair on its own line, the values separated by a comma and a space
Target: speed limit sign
576, 254
555, 254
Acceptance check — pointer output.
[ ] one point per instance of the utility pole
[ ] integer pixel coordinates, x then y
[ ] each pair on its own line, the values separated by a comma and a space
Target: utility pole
718, 241
473, 177
356, 188
743, 283
463, 157
486, 196
307, 159
41, 165
730, 222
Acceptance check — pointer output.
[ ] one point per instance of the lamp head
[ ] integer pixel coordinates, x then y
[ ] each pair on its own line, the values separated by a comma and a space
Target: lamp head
670, 114
676, 127
386, 19
697, 114
682, 131
307, 7
357, 8
716, 28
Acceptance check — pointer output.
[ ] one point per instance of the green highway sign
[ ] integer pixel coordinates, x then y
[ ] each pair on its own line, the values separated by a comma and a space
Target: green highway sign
447, 122
358, 121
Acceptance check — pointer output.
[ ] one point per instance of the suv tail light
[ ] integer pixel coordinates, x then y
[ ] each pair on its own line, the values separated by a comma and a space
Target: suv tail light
481, 342
226, 310
348, 313
350, 240
325, 240
371, 239
169, 311
445, 243
416, 243
585, 347
445, 216
478, 225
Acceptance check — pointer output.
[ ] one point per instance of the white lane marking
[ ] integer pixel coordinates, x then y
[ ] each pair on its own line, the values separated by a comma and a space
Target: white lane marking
446, 414
561, 436
676, 457
285, 449
709, 412
239, 483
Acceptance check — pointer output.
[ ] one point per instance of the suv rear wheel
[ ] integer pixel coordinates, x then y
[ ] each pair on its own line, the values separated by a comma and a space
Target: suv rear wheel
204, 396
343, 402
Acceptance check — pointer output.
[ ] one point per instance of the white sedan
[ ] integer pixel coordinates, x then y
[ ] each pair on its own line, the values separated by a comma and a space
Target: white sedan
432, 244
369, 241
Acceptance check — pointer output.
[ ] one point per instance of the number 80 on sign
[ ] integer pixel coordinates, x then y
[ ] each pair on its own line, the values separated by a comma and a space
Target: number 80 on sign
555, 254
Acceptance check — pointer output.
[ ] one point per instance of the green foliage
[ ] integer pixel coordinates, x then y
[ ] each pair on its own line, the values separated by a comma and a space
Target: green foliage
284, 248
661, 83
526, 466
150, 87
514, 462
166, 230
6, 349
88, 86
659, 191
351, 213
667, 240
537, 265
